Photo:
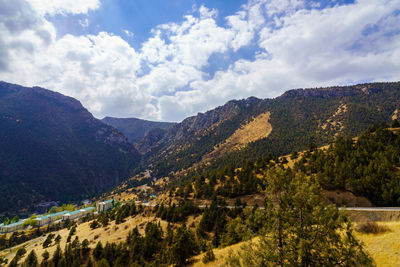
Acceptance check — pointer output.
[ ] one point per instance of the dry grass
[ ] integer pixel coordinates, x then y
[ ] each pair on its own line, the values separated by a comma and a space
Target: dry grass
110, 233
334, 122
385, 247
221, 254
395, 114
256, 129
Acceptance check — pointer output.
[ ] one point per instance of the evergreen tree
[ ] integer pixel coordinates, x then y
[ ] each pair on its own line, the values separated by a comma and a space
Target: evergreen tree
31, 260
209, 256
98, 251
183, 246
57, 239
301, 231
57, 256
46, 255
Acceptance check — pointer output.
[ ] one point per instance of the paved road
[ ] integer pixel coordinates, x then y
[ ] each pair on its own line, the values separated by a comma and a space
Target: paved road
149, 204
372, 208
27, 245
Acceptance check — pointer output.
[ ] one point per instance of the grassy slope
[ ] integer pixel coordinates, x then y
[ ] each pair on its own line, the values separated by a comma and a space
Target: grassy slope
110, 233
383, 248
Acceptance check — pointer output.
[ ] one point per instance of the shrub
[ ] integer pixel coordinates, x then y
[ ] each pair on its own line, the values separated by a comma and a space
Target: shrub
371, 227
94, 224
209, 256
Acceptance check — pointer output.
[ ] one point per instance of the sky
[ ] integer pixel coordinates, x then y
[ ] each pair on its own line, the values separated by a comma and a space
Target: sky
165, 60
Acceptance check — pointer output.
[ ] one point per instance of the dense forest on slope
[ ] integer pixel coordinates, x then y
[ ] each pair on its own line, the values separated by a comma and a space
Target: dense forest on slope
299, 118
368, 167
52, 148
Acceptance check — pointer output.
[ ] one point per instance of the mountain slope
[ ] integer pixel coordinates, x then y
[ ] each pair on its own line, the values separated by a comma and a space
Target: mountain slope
298, 118
52, 148
136, 129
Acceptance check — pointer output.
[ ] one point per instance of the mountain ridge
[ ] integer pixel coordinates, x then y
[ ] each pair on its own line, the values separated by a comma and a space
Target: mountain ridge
54, 149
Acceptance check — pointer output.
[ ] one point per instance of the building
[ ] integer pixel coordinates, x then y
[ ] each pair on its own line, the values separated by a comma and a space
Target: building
12, 227
105, 205
46, 219
73, 215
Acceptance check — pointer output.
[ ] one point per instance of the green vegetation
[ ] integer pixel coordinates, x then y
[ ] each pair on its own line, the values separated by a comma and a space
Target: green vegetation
209, 256
299, 230
298, 118
48, 240
367, 167
67, 155
175, 213
30, 221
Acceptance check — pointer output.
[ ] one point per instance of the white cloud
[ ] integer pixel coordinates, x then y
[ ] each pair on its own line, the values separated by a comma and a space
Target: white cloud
128, 33
165, 79
84, 22
52, 7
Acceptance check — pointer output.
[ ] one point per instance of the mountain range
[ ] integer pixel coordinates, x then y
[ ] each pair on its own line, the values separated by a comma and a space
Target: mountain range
54, 149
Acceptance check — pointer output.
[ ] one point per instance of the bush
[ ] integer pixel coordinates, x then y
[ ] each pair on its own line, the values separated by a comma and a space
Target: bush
94, 224
21, 252
209, 256
371, 227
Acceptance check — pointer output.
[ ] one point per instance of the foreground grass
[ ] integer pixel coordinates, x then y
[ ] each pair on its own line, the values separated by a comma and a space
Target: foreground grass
111, 233
384, 248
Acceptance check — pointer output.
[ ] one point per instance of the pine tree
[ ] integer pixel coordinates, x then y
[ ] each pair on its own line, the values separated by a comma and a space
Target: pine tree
209, 256
31, 260
98, 251
57, 256
46, 255
301, 231
183, 246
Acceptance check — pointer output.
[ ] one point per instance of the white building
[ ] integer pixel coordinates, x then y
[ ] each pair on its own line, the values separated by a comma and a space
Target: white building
105, 205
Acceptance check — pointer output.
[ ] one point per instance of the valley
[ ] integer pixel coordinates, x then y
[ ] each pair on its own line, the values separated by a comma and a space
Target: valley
192, 193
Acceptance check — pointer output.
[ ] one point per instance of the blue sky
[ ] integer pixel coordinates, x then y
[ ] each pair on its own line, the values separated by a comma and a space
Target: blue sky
166, 60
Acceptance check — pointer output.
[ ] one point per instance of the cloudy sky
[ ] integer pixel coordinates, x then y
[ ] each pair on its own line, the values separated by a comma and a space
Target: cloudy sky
169, 59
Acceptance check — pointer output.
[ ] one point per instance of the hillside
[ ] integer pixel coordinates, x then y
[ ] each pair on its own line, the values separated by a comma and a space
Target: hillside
136, 129
298, 118
52, 148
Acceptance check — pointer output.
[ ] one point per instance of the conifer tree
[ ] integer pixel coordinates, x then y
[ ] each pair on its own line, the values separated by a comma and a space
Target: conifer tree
301, 231
183, 246
98, 251
31, 260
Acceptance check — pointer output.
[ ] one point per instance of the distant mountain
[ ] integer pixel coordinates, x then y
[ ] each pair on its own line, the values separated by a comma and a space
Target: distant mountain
136, 129
52, 148
291, 122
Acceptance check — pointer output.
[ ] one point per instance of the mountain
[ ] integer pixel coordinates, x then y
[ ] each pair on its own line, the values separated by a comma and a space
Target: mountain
250, 128
52, 148
136, 129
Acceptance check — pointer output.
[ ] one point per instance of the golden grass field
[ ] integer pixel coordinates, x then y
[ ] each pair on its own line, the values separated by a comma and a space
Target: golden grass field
254, 130
110, 233
384, 248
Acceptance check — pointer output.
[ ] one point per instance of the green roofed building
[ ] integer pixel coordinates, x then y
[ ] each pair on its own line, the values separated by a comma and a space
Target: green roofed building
46, 219
12, 227
77, 213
